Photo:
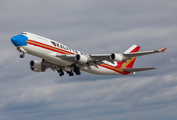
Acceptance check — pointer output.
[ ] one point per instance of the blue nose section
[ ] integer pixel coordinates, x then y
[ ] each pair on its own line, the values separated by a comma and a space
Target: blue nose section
19, 40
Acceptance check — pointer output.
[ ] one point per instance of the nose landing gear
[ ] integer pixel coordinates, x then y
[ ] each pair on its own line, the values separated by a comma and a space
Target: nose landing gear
22, 51
22, 55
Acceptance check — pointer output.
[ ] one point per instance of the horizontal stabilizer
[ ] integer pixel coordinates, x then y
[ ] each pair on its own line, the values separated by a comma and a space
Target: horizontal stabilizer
137, 69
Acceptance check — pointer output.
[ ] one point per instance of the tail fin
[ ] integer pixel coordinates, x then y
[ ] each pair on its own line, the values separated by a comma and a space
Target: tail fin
130, 62
133, 48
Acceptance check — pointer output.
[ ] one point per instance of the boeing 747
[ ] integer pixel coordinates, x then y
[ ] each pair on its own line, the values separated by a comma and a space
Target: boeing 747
63, 59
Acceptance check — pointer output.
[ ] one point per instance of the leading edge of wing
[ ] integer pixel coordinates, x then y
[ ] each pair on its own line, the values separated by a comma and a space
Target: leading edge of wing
137, 69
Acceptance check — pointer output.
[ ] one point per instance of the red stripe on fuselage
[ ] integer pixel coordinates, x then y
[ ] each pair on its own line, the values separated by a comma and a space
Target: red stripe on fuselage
61, 51
45, 46
119, 70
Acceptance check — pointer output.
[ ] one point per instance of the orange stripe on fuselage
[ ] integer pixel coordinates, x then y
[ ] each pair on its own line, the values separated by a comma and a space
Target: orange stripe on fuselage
45, 46
118, 68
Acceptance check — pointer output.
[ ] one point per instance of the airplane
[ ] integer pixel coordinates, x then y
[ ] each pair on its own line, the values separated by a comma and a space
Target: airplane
63, 59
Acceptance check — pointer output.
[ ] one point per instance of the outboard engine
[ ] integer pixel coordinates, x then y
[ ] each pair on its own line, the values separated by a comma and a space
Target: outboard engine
116, 57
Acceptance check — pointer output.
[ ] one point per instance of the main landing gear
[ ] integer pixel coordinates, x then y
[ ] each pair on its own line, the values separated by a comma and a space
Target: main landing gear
61, 73
70, 73
77, 70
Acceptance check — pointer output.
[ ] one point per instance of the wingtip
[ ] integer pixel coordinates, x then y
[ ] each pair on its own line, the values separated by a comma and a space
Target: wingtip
163, 50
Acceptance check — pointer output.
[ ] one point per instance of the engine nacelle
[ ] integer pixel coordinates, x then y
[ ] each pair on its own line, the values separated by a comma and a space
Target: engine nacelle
36, 65
116, 57
81, 58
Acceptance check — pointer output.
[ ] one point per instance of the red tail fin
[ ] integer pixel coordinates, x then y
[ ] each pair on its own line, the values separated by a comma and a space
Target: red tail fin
130, 62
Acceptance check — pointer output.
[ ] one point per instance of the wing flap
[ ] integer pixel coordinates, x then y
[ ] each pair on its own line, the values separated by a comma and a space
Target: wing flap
137, 69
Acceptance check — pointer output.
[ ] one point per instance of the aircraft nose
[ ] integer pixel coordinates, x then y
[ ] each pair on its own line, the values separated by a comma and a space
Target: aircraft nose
19, 40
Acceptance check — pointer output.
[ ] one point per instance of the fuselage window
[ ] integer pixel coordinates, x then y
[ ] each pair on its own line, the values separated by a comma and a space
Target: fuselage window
61, 46
76, 51
66, 48
58, 45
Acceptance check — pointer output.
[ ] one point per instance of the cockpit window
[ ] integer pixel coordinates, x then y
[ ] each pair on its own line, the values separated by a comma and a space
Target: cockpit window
24, 33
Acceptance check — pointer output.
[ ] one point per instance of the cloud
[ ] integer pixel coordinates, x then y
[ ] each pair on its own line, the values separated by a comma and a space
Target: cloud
100, 98
92, 27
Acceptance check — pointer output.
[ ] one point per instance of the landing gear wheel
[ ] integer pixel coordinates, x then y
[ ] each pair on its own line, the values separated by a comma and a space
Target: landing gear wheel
70, 73
61, 73
77, 70
22, 56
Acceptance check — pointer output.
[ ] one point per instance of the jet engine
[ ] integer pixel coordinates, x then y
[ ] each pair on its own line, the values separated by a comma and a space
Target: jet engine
116, 57
81, 58
36, 65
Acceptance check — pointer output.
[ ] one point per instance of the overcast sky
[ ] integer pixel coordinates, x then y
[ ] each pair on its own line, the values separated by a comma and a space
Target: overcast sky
91, 26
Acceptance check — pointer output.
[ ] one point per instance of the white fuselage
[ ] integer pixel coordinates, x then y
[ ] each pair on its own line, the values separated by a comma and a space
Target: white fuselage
62, 58
47, 49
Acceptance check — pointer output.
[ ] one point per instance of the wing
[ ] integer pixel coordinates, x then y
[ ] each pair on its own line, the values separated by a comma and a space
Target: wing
41, 66
46, 65
88, 60
67, 57
93, 59
79, 59
127, 55
101, 57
